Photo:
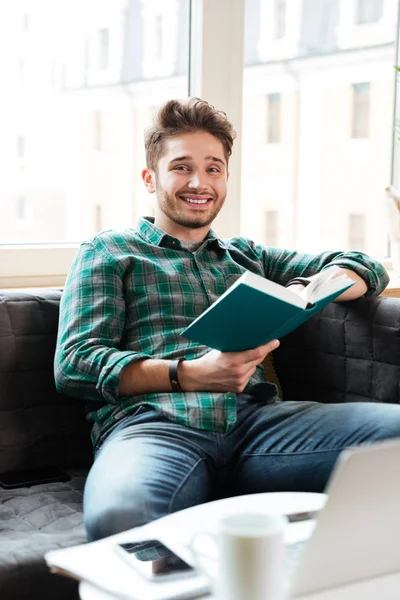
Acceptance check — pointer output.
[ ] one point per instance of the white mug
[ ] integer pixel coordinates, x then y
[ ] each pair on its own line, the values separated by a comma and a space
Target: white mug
247, 558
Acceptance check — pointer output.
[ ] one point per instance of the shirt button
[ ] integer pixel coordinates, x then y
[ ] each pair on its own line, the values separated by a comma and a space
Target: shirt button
209, 291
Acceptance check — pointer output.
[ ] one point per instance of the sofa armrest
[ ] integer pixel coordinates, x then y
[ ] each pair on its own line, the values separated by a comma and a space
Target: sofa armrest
349, 352
37, 424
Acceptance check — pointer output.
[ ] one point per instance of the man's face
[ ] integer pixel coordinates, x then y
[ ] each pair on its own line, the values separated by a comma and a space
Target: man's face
190, 184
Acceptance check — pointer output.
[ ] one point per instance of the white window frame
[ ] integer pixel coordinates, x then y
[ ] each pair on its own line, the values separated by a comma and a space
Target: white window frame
216, 74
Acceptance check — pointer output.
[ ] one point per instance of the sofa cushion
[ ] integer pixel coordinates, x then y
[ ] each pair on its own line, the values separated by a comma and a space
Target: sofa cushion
38, 426
33, 521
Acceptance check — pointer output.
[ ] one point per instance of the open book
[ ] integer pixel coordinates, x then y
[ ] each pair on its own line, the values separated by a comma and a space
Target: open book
254, 311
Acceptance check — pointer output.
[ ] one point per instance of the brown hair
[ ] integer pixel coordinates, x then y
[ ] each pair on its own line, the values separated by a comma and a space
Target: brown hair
186, 116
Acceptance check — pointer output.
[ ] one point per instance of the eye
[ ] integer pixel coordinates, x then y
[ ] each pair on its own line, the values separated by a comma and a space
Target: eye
181, 168
214, 169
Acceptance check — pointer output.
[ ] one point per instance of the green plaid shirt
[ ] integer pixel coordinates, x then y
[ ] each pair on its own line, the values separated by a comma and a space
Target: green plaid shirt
129, 295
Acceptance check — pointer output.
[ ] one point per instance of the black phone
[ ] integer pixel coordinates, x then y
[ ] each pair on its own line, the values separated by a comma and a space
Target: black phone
170, 567
28, 477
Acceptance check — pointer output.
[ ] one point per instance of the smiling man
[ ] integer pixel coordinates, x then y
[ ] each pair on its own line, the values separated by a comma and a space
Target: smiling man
174, 423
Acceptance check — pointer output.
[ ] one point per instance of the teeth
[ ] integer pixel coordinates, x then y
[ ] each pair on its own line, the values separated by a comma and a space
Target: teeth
193, 201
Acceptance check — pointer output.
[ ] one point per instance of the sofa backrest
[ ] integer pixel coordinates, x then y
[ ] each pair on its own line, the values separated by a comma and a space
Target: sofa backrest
349, 352
38, 426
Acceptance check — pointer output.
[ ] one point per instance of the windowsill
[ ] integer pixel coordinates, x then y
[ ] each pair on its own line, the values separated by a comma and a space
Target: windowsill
393, 289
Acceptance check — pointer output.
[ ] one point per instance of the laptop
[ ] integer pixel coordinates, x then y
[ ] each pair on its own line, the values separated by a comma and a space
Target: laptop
355, 544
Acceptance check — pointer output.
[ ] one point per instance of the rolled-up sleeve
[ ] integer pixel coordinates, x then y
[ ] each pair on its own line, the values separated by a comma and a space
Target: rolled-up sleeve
88, 361
282, 265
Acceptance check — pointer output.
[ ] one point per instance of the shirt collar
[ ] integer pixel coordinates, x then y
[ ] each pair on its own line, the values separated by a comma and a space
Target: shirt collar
154, 235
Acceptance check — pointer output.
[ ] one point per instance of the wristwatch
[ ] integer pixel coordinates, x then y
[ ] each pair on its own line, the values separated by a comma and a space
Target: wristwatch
301, 280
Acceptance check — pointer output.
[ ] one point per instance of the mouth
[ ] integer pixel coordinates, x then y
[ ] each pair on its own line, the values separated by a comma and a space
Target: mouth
196, 201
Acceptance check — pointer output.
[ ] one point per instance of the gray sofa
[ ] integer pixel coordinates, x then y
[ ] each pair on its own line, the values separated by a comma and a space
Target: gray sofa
349, 352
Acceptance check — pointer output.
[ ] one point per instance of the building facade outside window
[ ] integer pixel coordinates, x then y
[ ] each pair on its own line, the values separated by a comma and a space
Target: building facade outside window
357, 232
273, 118
336, 84
280, 19
368, 11
272, 228
361, 94
20, 146
97, 130
104, 48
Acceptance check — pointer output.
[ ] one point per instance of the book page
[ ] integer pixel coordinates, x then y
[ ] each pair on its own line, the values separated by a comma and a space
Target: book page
325, 283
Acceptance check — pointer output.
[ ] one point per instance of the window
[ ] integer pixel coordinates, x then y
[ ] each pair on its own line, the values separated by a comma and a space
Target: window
357, 232
271, 228
315, 142
273, 118
159, 37
280, 19
360, 110
98, 218
72, 150
26, 21
315, 173
104, 49
22, 71
97, 130
368, 11
20, 208
20, 146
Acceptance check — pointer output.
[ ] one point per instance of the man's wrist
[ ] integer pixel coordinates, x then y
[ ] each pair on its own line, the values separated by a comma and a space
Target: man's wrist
187, 376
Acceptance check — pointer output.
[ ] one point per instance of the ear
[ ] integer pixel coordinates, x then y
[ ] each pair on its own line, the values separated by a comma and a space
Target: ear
148, 177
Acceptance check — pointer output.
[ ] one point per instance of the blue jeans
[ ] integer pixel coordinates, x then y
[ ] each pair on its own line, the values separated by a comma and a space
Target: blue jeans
149, 467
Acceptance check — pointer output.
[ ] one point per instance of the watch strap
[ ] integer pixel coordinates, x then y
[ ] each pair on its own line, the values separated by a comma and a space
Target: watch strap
299, 280
173, 375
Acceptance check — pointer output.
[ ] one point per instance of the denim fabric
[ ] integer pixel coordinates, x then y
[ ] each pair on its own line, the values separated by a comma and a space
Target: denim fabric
149, 466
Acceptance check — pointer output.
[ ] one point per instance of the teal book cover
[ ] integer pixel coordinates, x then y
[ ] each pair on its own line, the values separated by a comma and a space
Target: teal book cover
245, 317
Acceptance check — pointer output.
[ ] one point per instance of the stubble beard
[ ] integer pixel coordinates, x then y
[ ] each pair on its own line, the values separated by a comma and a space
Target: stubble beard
170, 206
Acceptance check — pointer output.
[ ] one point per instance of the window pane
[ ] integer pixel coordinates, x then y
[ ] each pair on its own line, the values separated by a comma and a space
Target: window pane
335, 83
357, 232
360, 110
369, 11
273, 118
271, 228
280, 19
81, 80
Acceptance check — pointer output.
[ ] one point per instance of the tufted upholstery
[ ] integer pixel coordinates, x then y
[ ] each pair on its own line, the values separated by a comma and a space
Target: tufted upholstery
37, 425
348, 352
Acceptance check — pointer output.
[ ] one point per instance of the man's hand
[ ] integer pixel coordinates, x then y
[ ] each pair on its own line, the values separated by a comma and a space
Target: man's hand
222, 371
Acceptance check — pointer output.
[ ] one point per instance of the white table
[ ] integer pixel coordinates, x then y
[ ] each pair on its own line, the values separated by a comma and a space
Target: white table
182, 525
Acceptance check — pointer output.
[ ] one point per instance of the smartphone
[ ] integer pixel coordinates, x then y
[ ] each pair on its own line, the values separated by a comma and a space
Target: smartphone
28, 477
170, 567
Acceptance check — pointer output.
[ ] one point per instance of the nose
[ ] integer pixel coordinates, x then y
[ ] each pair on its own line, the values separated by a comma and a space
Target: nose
196, 180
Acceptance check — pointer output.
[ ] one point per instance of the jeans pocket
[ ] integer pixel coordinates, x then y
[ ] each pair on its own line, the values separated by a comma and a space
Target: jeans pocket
121, 423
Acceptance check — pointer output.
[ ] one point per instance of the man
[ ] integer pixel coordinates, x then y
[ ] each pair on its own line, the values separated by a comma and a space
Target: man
176, 424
